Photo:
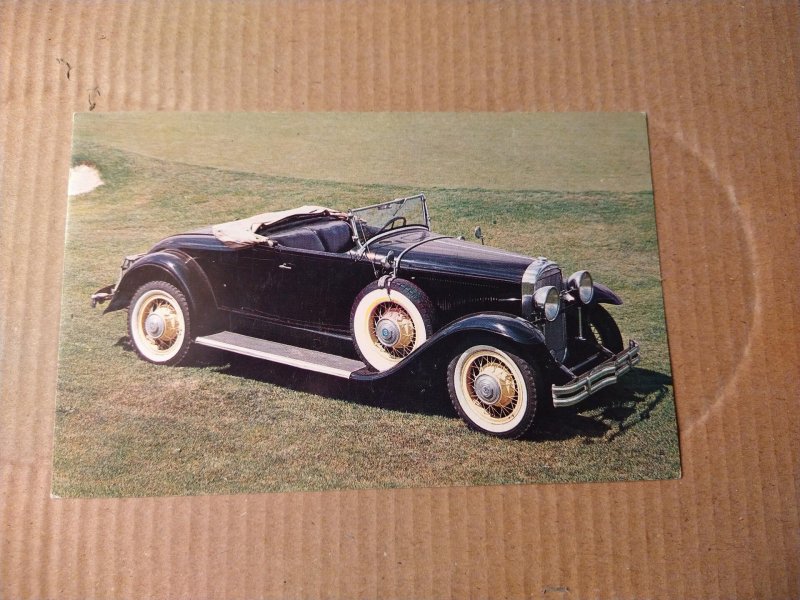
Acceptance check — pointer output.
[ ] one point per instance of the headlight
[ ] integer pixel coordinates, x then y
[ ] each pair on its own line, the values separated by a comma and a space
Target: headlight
548, 299
582, 282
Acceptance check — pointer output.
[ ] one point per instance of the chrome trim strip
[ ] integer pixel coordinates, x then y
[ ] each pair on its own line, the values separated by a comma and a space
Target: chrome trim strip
601, 376
284, 360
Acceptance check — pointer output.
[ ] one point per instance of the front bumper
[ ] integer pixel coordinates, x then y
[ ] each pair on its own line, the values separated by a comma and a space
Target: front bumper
601, 376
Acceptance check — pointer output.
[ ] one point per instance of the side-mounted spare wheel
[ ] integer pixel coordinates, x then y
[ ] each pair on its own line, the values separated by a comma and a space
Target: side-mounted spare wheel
389, 323
495, 391
158, 323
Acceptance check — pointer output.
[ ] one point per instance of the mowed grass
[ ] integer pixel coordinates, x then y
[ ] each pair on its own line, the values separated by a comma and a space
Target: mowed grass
228, 424
509, 151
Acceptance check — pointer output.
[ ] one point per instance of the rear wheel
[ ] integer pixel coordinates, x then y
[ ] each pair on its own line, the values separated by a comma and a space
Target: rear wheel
493, 390
158, 323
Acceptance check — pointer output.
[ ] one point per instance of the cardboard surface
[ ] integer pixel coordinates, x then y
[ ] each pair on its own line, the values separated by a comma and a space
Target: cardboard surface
720, 85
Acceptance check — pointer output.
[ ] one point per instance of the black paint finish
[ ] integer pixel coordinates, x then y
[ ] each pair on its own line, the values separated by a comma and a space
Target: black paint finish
303, 295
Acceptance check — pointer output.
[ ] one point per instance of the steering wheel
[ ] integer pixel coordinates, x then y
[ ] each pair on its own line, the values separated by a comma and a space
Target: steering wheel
390, 223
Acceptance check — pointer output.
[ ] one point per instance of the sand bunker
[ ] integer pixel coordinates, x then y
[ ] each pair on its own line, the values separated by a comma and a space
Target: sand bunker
82, 179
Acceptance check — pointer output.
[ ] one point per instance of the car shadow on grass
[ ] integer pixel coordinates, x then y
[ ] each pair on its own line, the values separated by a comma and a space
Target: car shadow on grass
610, 412
417, 393
602, 417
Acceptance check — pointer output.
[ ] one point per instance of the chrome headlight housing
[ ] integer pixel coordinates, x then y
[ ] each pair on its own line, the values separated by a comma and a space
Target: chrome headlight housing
581, 281
548, 300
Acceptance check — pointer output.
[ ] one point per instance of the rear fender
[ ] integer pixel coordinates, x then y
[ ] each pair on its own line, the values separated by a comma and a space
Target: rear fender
174, 267
604, 295
502, 327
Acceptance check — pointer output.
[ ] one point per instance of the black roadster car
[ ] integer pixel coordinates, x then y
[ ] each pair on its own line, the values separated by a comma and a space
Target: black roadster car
372, 292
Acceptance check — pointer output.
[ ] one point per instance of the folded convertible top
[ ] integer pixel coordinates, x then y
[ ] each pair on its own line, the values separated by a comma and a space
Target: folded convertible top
242, 233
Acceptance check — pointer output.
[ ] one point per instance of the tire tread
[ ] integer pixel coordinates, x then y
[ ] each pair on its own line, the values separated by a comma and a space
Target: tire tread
413, 292
532, 379
610, 335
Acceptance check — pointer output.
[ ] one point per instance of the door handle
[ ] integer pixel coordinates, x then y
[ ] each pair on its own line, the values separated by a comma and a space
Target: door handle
287, 266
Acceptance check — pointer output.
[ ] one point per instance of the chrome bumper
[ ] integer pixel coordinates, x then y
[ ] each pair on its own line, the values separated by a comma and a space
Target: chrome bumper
601, 376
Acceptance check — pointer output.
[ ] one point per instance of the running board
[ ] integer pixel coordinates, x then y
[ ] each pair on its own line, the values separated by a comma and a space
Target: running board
302, 358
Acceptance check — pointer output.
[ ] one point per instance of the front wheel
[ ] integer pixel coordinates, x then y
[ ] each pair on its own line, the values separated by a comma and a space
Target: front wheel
493, 390
604, 329
159, 324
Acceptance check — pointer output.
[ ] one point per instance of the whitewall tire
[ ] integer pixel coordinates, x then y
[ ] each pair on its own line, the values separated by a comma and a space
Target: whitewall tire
158, 323
493, 390
389, 324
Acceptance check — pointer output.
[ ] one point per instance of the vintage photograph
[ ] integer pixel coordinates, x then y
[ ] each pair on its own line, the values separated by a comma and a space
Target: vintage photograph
257, 302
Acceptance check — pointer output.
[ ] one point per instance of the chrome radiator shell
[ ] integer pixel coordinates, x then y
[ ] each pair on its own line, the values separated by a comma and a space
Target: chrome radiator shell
540, 273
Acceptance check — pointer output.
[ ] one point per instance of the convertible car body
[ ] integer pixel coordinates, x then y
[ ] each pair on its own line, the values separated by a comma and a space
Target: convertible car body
371, 293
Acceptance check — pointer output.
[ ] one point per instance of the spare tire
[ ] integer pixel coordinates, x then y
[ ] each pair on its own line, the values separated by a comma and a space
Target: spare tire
388, 324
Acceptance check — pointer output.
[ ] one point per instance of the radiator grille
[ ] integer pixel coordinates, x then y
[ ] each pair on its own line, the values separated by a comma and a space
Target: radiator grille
550, 276
555, 332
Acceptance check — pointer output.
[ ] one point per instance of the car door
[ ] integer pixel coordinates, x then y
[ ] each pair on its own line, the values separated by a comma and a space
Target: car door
256, 278
316, 289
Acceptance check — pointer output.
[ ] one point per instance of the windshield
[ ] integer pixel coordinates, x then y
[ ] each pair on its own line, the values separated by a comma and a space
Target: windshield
403, 212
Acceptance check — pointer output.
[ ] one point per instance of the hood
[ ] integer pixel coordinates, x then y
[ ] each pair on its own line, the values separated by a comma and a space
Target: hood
423, 251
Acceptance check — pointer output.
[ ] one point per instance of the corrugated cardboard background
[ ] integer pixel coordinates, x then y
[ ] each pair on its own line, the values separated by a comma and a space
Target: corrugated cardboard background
720, 84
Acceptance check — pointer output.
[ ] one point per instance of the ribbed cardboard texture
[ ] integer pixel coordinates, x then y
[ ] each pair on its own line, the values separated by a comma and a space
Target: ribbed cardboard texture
720, 85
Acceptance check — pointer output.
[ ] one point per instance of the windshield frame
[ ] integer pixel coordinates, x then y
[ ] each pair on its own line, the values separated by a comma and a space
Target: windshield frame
363, 241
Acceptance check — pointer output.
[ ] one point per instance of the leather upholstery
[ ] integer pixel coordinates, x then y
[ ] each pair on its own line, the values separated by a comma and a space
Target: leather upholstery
325, 236
334, 235
299, 237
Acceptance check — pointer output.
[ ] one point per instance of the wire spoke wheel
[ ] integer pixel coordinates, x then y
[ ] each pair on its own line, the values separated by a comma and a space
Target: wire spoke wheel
389, 323
493, 390
488, 381
392, 330
594, 333
158, 323
161, 322
602, 327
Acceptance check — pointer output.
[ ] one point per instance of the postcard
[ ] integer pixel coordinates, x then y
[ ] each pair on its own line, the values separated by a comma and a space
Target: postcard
260, 302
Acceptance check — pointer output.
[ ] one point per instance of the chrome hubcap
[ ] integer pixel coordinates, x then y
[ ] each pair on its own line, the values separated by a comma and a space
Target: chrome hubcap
154, 325
388, 332
494, 385
161, 325
487, 389
395, 329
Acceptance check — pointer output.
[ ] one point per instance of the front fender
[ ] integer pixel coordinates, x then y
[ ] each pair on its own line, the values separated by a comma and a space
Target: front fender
504, 327
172, 266
604, 295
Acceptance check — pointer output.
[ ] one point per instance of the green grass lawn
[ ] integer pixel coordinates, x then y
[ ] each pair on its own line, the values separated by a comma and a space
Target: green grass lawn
229, 424
508, 151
